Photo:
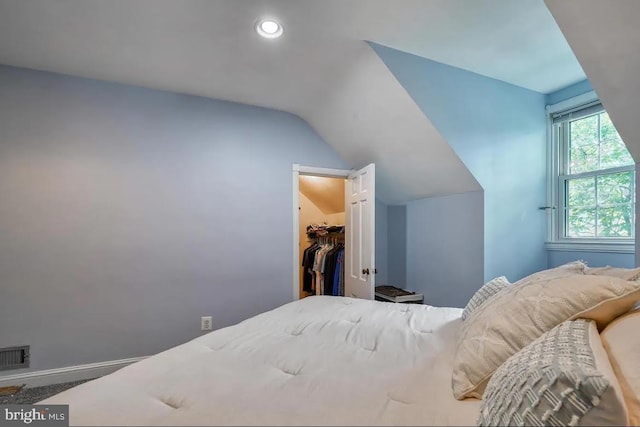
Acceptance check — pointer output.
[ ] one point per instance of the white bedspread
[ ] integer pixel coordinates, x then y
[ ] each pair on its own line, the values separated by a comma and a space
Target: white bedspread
322, 360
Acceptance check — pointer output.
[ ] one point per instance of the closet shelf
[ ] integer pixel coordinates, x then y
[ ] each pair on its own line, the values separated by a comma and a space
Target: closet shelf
319, 230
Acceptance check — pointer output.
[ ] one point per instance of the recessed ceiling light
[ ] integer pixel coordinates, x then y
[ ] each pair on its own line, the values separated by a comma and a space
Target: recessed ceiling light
269, 28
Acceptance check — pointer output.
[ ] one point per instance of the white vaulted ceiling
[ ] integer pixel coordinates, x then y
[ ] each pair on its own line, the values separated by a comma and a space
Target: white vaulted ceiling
321, 69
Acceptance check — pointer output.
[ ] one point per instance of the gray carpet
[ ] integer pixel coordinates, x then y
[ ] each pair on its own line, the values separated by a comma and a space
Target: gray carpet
36, 394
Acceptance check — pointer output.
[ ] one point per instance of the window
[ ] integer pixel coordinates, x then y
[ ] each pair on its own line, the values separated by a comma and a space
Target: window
594, 178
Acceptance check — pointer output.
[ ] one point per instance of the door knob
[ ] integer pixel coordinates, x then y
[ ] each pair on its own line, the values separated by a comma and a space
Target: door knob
375, 271
365, 271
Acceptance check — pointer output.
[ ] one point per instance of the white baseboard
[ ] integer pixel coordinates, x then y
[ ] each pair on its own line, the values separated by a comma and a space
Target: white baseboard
67, 374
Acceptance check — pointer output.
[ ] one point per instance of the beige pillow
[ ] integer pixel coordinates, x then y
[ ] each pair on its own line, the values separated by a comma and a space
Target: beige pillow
575, 267
488, 290
621, 339
522, 312
632, 274
562, 378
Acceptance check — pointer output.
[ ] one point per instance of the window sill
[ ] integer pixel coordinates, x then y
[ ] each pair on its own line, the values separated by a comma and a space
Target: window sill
612, 247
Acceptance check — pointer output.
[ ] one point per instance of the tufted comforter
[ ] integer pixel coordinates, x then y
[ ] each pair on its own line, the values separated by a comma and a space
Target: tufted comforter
319, 361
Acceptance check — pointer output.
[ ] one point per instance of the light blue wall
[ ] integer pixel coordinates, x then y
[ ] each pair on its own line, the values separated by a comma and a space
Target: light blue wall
499, 132
382, 231
593, 259
444, 248
128, 213
570, 91
397, 244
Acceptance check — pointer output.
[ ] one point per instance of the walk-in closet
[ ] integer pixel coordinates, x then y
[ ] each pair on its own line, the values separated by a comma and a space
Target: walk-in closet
322, 227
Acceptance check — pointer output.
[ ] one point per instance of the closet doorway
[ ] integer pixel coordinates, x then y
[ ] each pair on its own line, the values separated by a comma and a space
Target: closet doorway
334, 209
322, 232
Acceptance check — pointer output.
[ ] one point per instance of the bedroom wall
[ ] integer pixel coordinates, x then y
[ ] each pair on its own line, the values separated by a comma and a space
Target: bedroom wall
594, 259
499, 132
382, 243
445, 248
397, 242
570, 91
128, 213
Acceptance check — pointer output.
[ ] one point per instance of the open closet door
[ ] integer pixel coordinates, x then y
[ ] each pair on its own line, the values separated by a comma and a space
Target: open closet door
360, 205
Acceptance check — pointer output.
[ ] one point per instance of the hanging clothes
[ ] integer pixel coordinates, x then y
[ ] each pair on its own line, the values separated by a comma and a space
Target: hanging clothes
323, 261
338, 278
308, 258
319, 267
331, 267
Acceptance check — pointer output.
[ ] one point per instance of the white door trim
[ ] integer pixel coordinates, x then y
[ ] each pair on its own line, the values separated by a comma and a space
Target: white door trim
312, 171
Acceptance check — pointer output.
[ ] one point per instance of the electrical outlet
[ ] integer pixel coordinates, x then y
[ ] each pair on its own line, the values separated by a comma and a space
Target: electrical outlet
206, 323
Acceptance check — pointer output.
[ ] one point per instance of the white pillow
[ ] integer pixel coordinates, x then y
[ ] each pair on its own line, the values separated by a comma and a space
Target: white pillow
621, 339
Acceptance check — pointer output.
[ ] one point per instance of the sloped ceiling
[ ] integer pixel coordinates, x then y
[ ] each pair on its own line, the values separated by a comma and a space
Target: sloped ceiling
326, 193
605, 37
321, 69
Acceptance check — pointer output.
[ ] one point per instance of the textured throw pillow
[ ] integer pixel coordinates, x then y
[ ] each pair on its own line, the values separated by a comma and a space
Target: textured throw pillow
632, 274
622, 342
563, 378
522, 312
484, 293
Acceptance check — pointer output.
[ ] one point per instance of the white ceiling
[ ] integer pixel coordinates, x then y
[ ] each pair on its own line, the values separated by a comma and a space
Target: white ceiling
317, 70
606, 39
160, 42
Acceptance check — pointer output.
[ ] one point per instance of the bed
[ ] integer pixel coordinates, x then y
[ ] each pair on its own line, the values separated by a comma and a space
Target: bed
319, 361
558, 347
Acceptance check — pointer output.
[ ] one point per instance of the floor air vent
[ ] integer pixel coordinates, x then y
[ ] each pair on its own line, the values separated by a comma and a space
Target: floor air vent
14, 358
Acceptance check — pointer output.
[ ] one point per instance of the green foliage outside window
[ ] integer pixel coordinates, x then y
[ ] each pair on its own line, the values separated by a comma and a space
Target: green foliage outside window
599, 202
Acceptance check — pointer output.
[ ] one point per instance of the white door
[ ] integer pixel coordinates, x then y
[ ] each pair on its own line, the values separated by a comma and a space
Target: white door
360, 204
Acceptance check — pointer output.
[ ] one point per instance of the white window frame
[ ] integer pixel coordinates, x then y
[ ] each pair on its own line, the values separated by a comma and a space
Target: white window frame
556, 194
